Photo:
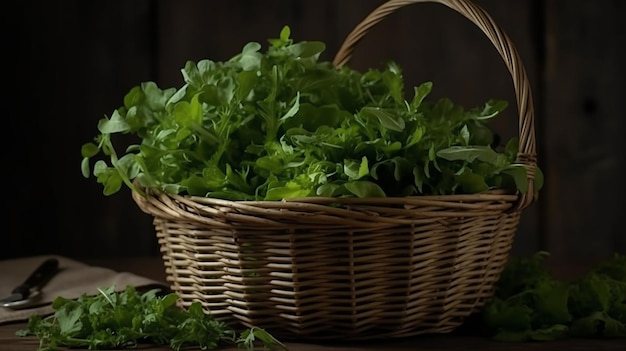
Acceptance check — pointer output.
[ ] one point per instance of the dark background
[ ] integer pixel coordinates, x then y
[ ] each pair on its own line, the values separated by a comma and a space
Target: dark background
68, 63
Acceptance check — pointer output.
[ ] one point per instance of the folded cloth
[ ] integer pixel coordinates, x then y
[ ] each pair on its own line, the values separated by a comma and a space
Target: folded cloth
71, 281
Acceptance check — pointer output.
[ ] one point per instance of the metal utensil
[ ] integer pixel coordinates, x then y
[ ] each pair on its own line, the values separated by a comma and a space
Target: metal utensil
27, 293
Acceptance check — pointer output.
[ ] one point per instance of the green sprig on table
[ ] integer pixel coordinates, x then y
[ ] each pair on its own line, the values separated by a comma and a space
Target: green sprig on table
128, 318
530, 304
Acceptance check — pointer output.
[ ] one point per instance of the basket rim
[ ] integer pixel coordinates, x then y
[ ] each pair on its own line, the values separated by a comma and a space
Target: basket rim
499, 194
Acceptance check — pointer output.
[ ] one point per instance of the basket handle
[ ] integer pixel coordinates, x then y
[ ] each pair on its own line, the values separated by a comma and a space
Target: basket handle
527, 150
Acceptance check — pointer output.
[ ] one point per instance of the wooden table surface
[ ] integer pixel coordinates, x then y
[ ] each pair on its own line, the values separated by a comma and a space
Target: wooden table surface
152, 268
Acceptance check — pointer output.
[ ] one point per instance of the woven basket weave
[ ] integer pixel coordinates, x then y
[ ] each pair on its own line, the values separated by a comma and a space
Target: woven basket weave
361, 268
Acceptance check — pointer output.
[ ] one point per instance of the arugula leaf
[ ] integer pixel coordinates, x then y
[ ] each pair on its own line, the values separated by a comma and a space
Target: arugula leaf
356, 169
364, 189
471, 182
470, 154
385, 118
249, 338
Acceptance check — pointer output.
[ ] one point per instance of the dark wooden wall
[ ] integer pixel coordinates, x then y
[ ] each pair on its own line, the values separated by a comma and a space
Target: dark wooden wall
69, 62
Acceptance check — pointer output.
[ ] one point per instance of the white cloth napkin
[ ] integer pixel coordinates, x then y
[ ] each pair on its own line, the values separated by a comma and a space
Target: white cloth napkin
72, 280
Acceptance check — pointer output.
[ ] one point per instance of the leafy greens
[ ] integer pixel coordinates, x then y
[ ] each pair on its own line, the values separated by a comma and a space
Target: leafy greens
282, 124
128, 318
531, 305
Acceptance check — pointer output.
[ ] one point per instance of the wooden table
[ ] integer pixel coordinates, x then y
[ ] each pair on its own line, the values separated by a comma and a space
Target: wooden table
152, 268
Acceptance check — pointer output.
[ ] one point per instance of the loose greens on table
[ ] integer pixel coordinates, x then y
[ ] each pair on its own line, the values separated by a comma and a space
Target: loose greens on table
531, 304
115, 320
282, 124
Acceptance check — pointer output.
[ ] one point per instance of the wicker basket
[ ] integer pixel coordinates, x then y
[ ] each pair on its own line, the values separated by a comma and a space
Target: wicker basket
361, 268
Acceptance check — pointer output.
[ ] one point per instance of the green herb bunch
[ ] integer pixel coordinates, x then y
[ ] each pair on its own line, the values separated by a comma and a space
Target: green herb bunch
530, 304
116, 320
282, 124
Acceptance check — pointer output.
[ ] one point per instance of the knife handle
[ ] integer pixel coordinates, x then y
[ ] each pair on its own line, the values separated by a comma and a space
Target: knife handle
40, 276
